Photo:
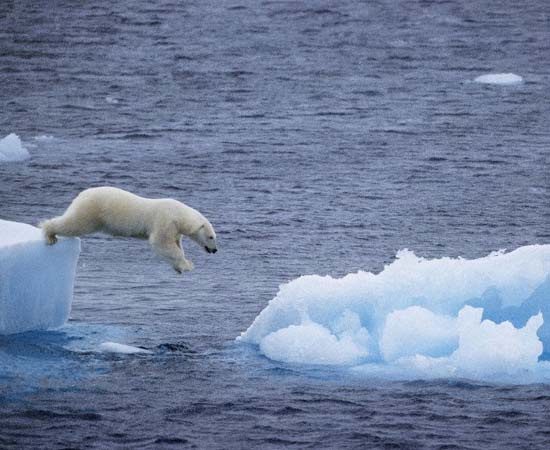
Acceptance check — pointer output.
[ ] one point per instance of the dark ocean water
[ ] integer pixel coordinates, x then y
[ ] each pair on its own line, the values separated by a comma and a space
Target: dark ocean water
318, 138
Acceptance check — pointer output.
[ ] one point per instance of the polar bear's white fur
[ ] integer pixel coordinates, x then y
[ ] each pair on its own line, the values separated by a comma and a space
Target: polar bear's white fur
121, 213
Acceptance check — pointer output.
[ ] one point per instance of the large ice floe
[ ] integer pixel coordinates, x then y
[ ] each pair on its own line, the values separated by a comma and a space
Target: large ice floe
11, 149
418, 318
36, 280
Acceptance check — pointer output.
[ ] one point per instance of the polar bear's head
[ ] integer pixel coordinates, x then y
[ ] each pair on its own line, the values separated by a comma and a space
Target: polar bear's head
205, 236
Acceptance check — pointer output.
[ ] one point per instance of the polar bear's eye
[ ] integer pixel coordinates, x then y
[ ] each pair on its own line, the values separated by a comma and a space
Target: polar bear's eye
210, 237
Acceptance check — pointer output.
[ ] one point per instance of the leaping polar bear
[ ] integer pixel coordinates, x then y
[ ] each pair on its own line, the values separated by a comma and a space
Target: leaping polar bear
121, 213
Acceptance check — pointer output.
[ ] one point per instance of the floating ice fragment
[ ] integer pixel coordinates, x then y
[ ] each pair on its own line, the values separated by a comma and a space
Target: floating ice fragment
11, 149
114, 347
422, 318
36, 280
44, 138
499, 78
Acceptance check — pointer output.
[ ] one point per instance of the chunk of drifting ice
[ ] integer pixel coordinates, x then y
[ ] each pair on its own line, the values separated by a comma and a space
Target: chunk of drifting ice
36, 280
415, 317
112, 100
417, 330
44, 137
499, 78
114, 347
11, 149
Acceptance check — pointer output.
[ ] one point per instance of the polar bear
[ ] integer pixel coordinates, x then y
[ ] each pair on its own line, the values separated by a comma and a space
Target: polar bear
121, 213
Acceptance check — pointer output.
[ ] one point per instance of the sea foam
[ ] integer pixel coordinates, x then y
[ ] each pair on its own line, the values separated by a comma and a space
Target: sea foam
449, 317
11, 149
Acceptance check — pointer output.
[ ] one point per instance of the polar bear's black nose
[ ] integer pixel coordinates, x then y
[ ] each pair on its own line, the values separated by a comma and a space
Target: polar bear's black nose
214, 250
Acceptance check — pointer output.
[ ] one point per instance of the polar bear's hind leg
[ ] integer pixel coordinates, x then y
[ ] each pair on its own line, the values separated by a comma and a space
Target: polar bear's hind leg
48, 231
69, 224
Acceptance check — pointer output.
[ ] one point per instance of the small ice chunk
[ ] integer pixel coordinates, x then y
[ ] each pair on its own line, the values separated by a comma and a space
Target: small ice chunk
11, 149
44, 138
114, 347
499, 78
36, 280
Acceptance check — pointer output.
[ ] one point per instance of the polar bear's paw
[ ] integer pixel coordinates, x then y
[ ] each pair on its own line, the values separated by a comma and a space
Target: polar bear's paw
184, 266
51, 239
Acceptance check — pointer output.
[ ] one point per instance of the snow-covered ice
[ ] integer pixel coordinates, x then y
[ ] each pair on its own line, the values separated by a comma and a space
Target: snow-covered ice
36, 280
499, 78
115, 347
480, 318
11, 149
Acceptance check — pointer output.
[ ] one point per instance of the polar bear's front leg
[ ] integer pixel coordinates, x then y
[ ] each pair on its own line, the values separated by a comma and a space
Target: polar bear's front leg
169, 249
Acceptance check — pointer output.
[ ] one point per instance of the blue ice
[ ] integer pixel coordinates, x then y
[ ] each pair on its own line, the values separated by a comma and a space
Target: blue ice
36, 280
